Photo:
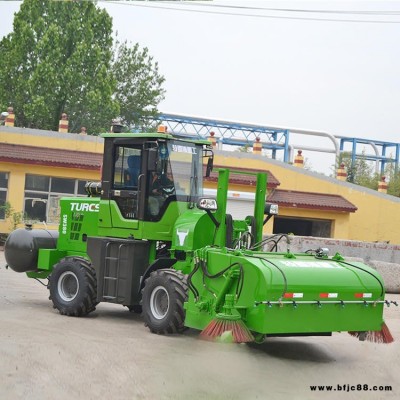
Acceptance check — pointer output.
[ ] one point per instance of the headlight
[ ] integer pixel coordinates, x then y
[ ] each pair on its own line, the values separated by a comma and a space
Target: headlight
271, 209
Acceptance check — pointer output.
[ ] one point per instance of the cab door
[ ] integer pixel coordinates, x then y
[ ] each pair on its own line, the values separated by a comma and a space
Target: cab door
126, 184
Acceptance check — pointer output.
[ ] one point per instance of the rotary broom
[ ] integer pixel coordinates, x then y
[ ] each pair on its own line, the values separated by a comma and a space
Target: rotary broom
382, 336
228, 325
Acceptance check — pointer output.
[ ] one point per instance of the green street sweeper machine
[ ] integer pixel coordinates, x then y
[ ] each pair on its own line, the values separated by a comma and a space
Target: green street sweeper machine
147, 238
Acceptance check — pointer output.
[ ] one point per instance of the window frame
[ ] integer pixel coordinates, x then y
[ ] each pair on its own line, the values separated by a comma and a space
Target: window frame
4, 189
52, 213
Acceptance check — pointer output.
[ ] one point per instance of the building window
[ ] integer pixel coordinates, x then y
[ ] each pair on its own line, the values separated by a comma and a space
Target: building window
3, 192
42, 195
303, 226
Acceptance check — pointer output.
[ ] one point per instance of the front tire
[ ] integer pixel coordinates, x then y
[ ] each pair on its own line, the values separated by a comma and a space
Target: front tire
163, 297
73, 287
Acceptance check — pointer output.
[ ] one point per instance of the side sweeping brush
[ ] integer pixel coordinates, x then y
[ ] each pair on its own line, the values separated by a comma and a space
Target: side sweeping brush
227, 326
382, 336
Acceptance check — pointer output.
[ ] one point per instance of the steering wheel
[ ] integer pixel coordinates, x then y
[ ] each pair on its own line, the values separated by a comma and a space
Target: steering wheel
168, 190
166, 186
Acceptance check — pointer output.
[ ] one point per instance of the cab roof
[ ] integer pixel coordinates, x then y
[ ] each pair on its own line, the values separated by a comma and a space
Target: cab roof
156, 135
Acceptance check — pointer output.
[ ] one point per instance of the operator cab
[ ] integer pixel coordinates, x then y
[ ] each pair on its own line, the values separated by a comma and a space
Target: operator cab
145, 173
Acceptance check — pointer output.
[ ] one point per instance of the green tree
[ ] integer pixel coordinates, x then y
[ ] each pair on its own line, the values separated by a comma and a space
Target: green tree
394, 185
393, 179
361, 172
59, 58
139, 83
245, 148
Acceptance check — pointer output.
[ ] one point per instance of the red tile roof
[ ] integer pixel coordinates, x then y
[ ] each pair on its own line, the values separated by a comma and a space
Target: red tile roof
316, 201
50, 157
243, 179
92, 161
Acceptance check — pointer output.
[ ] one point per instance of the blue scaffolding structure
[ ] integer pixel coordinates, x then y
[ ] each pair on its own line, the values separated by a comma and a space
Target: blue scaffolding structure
271, 138
230, 133
380, 147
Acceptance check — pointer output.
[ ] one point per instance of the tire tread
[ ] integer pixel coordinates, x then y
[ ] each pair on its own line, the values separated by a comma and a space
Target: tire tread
179, 281
89, 301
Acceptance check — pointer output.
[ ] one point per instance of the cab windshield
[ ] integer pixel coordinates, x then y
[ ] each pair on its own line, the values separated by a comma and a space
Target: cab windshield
180, 166
178, 176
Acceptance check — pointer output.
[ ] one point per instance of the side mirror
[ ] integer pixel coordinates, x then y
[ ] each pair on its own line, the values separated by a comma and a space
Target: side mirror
152, 159
207, 204
210, 165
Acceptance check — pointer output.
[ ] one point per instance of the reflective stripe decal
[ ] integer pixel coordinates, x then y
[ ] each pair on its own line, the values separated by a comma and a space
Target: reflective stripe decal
293, 295
310, 264
363, 295
328, 295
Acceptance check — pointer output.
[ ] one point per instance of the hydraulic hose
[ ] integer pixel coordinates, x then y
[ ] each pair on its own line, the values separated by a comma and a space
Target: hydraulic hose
362, 269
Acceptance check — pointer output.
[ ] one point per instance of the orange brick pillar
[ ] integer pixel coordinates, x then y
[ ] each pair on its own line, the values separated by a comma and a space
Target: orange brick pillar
212, 139
341, 174
10, 119
257, 146
299, 160
382, 185
63, 124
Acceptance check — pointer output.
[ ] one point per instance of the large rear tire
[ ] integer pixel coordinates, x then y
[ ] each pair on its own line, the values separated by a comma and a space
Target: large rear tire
163, 296
73, 287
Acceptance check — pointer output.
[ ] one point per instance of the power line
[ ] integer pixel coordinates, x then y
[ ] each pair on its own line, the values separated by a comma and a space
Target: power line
292, 10
246, 15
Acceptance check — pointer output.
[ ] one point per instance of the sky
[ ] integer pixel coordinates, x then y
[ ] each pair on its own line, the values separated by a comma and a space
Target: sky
273, 68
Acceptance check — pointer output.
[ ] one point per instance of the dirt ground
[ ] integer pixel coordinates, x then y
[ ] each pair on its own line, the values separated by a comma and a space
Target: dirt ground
111, 355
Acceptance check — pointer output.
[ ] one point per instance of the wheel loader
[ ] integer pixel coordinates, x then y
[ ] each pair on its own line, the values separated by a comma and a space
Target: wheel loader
147, 238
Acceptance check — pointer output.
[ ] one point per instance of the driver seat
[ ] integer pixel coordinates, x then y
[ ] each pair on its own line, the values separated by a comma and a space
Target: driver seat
131, 173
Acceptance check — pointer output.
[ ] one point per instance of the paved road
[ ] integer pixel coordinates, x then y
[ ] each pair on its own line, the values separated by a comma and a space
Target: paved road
111, 355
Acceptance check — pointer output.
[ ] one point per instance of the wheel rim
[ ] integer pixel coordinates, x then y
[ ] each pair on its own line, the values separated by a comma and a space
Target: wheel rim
159, 302
68, 286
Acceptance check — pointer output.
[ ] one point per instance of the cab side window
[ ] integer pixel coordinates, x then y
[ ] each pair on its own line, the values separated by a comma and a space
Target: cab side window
127, 167
161, 188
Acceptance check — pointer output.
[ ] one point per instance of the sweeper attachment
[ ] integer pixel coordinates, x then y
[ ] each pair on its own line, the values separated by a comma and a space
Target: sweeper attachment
147, 238
283, 294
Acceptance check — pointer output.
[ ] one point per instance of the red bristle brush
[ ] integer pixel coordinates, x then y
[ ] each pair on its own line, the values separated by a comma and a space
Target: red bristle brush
227, 326
220, 326
382, 336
